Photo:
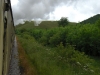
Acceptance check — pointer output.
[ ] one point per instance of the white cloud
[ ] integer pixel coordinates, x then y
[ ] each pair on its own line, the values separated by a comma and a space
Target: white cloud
14, 2
78, 11
73, 14
75, 10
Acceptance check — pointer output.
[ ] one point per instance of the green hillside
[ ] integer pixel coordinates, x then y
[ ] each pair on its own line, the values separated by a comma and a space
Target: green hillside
43, 25
52, 50
70, 50
53, 24
91, 20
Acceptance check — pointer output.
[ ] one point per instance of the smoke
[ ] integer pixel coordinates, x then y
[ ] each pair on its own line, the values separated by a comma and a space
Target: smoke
37, 22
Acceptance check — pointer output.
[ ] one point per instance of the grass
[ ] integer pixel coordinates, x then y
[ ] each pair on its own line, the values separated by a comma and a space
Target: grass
42, 25
26, 67
47, 61
36, 59
96, 64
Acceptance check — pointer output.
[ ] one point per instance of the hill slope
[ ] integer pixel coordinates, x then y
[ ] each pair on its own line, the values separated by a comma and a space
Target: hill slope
43, 25
91, 20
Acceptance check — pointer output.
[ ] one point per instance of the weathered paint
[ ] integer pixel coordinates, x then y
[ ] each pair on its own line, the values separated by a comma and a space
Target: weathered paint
7, 41
1, 35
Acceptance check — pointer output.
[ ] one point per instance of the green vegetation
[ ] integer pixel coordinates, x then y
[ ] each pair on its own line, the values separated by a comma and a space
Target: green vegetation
69, 50
91, 20
63, 22
42, 25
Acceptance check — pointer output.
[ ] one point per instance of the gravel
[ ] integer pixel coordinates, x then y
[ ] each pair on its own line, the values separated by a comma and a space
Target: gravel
14, 66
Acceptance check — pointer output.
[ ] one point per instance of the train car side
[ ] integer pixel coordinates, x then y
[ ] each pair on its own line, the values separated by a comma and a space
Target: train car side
1, 35
6, 35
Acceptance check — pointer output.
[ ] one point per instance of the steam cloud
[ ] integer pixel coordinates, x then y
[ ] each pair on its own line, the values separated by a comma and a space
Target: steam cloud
36, 22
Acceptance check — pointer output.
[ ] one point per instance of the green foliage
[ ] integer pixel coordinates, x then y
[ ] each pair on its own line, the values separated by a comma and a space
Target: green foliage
36, 33
46, 36
85, 38
89, 40
63, 21
91, 20
59, 60
58, 37
62, 50
98, 23
74, 58
42, 25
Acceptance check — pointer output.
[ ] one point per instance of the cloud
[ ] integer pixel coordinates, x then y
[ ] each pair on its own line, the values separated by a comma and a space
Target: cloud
54, 9
77, 11
34, 9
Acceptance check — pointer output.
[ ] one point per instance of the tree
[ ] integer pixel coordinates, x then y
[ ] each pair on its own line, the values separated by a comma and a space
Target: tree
98, 22
63, 21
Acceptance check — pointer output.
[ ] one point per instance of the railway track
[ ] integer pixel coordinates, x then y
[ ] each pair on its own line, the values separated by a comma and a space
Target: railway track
14, 63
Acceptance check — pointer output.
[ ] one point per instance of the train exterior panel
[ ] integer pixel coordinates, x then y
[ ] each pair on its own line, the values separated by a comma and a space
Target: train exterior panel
7, 35
1, 35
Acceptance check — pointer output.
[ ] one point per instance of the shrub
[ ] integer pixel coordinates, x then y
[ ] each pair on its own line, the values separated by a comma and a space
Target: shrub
63, 22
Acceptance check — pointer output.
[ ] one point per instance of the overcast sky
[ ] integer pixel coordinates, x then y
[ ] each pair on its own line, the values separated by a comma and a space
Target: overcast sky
75, 10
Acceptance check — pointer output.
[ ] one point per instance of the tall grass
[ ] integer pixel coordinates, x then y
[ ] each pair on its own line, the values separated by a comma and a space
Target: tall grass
56, 51
58, 60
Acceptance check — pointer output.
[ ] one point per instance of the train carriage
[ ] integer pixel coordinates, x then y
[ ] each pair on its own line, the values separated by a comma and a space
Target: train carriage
6, 35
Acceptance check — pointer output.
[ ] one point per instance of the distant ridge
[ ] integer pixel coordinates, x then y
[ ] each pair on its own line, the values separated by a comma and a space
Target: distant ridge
42, 25
91, 20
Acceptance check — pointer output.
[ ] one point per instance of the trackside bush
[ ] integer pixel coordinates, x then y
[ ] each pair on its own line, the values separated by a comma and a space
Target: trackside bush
62, 50
58, 60
85, 38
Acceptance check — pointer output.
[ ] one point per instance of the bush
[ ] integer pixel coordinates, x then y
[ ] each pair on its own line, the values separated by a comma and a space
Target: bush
84, 38
63, 21
58, 60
